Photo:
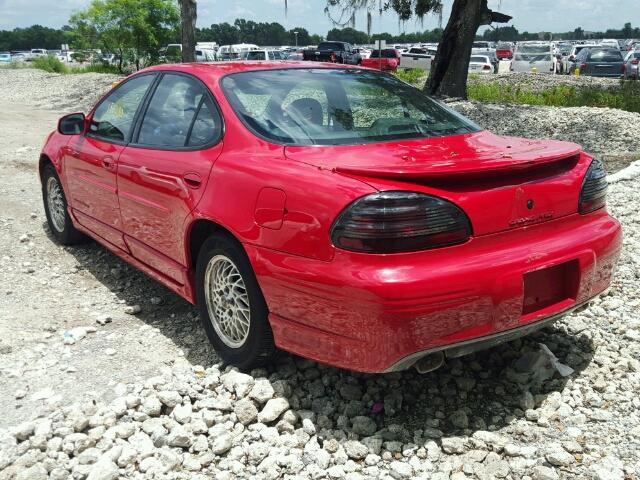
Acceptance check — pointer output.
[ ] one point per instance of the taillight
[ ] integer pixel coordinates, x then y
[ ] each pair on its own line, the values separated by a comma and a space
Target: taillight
583, 67
332, 56
399, 221
487, 67
594, 188
635, 61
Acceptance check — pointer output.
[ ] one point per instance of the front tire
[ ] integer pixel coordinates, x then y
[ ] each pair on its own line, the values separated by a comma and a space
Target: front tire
232, 308
56, 209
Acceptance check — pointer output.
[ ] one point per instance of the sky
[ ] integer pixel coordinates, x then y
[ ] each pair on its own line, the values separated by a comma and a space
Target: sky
529, 15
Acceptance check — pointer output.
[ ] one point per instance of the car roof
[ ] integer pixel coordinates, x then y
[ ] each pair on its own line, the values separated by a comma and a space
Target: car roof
217, 70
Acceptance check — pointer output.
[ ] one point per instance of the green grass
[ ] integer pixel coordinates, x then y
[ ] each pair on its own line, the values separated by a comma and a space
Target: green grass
414, 76
96, 68
50, 64
626, 96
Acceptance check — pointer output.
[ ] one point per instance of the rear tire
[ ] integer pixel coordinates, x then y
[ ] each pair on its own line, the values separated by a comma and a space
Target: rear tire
56, 209
232, 308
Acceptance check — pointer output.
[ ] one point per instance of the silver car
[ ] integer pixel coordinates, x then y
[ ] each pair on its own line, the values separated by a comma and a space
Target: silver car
631, 65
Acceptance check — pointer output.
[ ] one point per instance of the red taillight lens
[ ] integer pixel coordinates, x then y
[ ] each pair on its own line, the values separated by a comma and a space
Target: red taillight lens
583, 67
399, 221
487, 67
594, 188
332, 56
635, 61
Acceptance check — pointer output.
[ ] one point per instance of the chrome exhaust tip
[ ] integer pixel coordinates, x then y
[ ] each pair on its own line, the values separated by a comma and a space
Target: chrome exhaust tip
430, 362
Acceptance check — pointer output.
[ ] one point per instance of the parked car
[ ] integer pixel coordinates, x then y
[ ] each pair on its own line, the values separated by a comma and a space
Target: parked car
481, 64
5, 57
417, 57
482, 48
264, 55
569, 62
610, 43
537, 57
387, 59
631, 65
38, 52
363, 52
334, 52
370, 227
504, 52
236, 51
601, 62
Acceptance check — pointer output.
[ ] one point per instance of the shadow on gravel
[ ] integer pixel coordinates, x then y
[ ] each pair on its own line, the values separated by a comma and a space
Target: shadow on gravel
174, 317
476, 392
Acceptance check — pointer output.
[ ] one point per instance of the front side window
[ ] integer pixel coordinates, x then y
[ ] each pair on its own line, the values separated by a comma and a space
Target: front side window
337, 107
171, 112
113, 119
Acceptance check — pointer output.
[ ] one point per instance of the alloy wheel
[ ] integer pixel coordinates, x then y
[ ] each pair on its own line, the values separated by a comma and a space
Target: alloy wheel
55, 202
227, 301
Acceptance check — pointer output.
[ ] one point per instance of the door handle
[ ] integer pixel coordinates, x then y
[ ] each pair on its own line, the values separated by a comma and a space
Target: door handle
108, 163
192, 180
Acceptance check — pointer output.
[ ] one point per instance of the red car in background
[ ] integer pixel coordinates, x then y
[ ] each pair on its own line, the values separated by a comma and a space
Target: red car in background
504, 52
387, 60
334, 212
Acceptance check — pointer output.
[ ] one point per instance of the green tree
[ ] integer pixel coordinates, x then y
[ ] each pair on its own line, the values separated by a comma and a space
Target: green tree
134, 29
350, 35
448, 75
507, 34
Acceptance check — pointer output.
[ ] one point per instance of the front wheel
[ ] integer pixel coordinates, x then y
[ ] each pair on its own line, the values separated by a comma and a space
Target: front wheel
55, 208
232, 308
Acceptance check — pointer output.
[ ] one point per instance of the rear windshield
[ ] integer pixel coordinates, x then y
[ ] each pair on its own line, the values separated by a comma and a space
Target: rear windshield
255, 55
610, 55
331, 46
337, 107
532, 57
479, 59
527, 49
389, 53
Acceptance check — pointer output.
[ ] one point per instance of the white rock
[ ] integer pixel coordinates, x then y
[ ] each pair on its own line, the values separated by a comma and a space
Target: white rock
273, 409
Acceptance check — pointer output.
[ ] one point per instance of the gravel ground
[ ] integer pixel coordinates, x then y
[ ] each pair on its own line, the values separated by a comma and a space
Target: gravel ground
134, 391
542, 82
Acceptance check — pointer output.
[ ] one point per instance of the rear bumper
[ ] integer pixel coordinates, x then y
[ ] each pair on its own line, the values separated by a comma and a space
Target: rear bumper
376, 313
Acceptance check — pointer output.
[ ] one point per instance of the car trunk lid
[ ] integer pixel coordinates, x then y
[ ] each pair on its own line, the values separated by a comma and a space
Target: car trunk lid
500, 182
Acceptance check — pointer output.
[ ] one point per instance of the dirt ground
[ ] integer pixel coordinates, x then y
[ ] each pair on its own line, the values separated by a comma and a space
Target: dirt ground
47, 290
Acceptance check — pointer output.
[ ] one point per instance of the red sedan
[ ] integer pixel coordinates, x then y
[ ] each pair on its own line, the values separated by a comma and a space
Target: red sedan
334, 212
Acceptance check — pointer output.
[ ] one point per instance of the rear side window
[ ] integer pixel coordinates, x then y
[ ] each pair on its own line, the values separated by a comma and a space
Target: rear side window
207, 125
113, 119
179, 109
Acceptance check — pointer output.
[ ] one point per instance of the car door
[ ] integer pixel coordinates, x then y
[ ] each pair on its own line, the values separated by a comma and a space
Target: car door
90, 160
163, 172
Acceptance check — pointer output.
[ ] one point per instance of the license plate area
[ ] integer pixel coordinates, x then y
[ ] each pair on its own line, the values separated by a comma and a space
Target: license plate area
551, 286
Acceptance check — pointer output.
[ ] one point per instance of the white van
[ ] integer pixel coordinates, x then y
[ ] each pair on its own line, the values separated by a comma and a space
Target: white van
237, 51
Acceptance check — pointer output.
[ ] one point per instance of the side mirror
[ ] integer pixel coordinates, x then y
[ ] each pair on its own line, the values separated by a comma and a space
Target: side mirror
72, 124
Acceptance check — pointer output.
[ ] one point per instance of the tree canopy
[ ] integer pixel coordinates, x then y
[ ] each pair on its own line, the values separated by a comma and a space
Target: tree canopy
138, 28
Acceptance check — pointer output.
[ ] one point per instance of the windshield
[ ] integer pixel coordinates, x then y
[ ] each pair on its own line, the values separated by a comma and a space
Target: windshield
337, 107
479, 59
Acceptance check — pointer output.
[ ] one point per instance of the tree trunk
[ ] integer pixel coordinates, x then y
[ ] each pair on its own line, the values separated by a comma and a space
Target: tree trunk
189, 14
449, 70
